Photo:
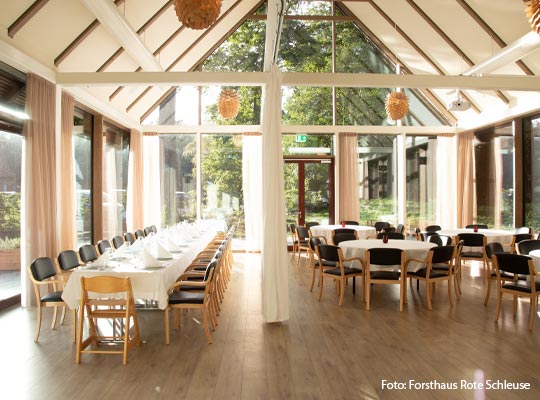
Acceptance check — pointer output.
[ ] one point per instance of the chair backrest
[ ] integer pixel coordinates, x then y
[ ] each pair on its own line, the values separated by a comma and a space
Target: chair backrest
104, 284
472, 239
513, 263
433, 228
427, 234
519, 237
302, 232
391, 235
328, 252
384, 256
314, 242
380, 225
435, 239
117, 241
68, 259
42, 268
129, 237
493, 248
479, 226
292, 228
442, 254
154, 228
400, 228
343, 230
526, 246
337, 238
87, 253
147, 231
351, 222
522, 229
310, 224
208, 273
139, 234
103, 245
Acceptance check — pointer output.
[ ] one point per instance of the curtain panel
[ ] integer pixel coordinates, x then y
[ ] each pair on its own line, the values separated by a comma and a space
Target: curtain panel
135, 188
465, 179
68, 230
40, 200
275, 263
349, 207
152, 192
252, 184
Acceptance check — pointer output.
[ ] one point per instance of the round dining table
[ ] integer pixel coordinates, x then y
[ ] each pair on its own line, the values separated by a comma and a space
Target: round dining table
492, 235
412, 248
326, 231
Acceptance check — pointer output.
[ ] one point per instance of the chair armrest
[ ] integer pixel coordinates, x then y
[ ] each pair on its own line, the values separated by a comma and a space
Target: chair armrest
355, 259
323, 238
419, 260
190, 274
177, 284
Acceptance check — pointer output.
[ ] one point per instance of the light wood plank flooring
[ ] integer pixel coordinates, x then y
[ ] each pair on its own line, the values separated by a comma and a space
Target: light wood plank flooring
322, 352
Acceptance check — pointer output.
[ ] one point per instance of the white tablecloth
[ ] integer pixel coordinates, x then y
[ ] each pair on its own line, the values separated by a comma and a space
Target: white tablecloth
326, 230
535, 255
147, 283
412, 248
492, 235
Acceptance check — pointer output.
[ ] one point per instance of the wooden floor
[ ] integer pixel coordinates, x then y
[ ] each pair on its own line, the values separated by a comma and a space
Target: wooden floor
322, 352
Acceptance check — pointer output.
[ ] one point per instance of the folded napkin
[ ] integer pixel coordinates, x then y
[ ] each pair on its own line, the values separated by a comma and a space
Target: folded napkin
173, 246
149, 260
162, 252
102, 260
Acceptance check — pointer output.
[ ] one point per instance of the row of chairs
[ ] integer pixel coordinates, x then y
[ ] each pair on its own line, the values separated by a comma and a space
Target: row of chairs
203, 284
45, 273
440, 265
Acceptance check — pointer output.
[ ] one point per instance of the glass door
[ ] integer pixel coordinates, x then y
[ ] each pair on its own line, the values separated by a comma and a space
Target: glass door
309, 190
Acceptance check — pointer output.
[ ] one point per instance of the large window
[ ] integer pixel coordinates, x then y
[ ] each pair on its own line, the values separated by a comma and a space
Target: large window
221, 179
421, 187
377, 156
178, 178
531, 171
115, 177
494, 165
82, 154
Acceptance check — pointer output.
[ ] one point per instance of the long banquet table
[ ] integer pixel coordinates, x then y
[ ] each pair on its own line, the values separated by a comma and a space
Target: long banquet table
412, 248
326, 230
149, 283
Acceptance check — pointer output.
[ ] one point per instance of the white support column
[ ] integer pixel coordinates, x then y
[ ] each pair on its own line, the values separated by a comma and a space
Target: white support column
401, 179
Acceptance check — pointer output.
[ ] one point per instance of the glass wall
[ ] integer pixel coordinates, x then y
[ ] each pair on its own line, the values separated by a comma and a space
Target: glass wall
82, 163
115, 177
221, 179
531, 172
421, 186
377, 162
178, 178
494, 165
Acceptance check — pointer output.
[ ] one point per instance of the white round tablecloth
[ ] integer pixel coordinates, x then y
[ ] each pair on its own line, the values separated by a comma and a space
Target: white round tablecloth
326, 230
492, 235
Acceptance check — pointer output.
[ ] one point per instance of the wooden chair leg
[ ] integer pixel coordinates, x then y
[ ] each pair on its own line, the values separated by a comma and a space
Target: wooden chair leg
533, 313
428, 295
313, 279
321, 283
342, 291
499, 300
205, 322
488, 292
38, 322
55, 314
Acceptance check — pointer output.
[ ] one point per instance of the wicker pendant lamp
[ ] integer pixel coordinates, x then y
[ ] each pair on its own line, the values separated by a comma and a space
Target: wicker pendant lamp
197, 14
228, 103
397, 105
532, 8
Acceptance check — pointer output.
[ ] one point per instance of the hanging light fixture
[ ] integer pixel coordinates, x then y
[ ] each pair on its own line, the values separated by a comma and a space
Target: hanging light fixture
397, 105
532, 8
228, 103
197, 14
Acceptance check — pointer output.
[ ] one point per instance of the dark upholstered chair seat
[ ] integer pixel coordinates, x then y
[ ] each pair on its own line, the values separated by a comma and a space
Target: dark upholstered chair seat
422, 272
347, 270
386, 275
439, 267
53, 296
526, 288
193, 288
472, 254
186, 297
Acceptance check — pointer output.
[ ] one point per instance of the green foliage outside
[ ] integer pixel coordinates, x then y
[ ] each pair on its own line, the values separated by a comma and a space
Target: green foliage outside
10, 243
10, 215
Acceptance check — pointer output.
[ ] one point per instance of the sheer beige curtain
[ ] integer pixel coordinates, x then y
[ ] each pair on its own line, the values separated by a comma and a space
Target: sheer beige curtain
135, 201
151, 178
40, 232
68, 230
252, 184
465, 179
444, 165
349, 208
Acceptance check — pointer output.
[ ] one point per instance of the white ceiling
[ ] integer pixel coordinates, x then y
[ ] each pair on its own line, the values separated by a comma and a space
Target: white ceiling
407, 28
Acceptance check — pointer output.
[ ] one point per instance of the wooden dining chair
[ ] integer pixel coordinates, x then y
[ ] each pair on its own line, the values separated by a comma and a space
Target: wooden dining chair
328, 254
343, 234
389, 258
441, 256
103, 245
473, 249
516, 265
117, 241
87, 253
112, 298
302, 234
43, 274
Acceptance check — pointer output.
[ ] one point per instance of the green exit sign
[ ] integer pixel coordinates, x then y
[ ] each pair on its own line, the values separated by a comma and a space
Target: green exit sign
301, 138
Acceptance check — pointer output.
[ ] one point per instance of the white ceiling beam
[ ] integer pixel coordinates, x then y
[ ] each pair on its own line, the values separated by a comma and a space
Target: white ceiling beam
115, 23
493, 82
515, 51
272, 32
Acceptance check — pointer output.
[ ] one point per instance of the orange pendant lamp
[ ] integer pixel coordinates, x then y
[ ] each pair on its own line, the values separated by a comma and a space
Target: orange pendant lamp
197, 14
397, 105
228, 103
532, 8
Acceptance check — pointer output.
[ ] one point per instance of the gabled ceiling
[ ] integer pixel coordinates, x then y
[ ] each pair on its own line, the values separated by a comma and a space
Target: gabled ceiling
428, 37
